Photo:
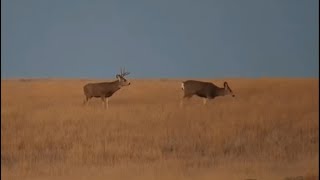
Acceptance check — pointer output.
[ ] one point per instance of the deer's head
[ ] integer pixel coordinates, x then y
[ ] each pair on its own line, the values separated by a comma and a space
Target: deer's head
121, 78
227, 90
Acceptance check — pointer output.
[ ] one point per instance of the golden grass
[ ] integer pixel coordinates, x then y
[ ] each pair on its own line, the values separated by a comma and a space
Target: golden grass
270, 130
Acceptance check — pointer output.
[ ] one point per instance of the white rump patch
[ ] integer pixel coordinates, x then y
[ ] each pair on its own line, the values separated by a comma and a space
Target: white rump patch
182, 86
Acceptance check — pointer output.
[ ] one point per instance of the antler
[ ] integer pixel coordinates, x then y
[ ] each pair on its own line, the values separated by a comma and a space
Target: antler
123, 72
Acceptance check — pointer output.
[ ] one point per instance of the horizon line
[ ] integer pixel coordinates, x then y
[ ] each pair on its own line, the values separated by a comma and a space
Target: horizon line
152, 78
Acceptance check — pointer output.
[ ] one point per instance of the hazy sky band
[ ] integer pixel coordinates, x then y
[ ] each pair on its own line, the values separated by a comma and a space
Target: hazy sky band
167, 38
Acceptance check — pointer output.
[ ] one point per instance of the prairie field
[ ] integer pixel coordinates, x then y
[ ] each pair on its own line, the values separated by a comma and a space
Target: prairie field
269, 130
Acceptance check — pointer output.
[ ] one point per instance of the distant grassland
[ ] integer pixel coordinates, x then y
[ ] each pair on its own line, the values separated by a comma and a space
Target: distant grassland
270, 130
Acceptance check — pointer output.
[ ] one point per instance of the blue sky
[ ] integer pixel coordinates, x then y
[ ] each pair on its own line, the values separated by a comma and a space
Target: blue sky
159, 38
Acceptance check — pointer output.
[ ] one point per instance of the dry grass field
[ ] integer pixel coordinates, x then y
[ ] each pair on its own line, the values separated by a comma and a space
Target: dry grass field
270, 130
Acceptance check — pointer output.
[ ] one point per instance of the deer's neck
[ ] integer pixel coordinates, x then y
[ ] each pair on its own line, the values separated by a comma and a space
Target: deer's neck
116, 84
221, 92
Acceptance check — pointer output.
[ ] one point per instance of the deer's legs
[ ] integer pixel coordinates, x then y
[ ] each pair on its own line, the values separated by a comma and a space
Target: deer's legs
85, 102
107, 103
183, 98
204, 101
103, 101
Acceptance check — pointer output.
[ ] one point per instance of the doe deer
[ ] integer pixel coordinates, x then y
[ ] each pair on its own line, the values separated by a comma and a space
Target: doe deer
206, 90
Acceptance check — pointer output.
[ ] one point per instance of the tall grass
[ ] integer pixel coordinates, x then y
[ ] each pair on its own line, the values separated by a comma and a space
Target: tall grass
45, 130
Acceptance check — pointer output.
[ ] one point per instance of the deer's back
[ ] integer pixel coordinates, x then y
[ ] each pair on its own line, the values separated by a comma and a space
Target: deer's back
199, 88
100, 89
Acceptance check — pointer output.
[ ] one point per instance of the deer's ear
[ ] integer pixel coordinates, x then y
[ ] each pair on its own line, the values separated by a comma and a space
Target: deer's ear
118, 77
225, 84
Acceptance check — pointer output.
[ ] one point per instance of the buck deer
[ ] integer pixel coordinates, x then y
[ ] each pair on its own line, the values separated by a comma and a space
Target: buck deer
105, 90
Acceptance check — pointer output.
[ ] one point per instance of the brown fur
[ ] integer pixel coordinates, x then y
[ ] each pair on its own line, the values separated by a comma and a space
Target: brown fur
104, 90
205, 90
